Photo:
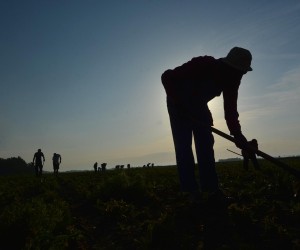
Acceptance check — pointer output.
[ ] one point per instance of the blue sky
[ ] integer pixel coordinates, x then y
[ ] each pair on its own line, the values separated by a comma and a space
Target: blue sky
82, 78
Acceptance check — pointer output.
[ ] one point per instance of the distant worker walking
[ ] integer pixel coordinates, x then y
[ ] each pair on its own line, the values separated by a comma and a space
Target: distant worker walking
189, 88
56, 160
38, 162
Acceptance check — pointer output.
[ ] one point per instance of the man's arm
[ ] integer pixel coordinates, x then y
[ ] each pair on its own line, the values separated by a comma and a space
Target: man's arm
230, 97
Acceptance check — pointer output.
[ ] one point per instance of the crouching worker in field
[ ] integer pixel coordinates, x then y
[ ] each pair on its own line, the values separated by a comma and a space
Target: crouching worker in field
250, 155
189, 88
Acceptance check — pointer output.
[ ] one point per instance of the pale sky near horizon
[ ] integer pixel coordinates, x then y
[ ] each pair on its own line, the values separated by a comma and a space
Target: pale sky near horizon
82, 78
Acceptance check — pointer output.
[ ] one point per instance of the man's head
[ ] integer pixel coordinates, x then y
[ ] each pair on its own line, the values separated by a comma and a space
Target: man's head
239, 59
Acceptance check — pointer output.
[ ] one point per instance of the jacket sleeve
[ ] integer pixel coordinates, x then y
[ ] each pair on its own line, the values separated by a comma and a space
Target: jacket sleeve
230, 97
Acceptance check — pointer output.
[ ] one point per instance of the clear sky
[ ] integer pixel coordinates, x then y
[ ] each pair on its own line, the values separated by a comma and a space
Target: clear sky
82, 78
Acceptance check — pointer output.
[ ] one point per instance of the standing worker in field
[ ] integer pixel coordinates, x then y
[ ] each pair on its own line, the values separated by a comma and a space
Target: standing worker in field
189, 88
56, 160
96, 167
38, 162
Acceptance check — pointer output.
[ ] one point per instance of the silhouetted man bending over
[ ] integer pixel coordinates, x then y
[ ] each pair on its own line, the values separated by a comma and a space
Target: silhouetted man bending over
189, 88
38, 161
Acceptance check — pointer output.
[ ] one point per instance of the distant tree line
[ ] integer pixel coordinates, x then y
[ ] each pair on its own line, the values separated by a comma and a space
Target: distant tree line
14, 165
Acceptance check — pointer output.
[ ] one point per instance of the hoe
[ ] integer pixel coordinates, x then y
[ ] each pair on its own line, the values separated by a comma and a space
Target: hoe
280, 164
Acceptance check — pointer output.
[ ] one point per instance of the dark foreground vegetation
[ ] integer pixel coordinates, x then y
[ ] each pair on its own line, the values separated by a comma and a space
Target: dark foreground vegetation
142, 208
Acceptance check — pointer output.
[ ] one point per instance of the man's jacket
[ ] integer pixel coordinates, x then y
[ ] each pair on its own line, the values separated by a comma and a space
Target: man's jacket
203, 78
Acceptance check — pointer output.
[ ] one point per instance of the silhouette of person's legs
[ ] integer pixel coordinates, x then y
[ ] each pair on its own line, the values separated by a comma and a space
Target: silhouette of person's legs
245, 163
191, 120
36, 169
55, 168
40, 170
182, 137
204, 143
255, 163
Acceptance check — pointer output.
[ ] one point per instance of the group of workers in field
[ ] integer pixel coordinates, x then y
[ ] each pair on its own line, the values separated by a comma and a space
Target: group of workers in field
189, 88
39, 159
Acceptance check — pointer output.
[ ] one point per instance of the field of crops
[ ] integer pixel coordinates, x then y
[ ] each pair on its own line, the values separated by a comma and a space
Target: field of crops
142, 208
